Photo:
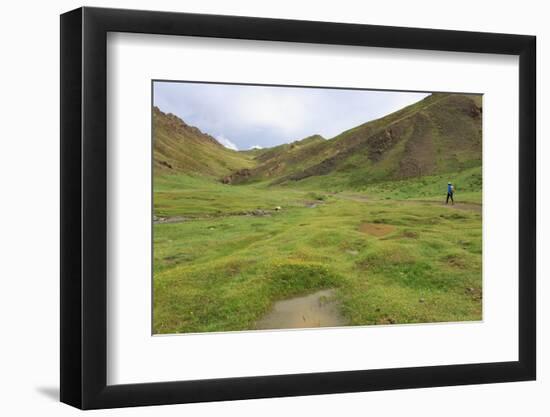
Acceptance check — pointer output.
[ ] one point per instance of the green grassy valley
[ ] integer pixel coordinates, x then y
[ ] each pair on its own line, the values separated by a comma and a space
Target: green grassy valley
361, 214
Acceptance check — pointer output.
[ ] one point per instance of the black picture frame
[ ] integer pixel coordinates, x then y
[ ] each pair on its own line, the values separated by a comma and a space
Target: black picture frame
84, 207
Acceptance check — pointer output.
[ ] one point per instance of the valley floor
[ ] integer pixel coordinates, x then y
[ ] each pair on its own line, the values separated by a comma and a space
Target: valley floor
225, 256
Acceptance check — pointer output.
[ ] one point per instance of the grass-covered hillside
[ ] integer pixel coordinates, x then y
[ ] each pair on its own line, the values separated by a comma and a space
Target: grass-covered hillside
360, 216
439, 134
182, 149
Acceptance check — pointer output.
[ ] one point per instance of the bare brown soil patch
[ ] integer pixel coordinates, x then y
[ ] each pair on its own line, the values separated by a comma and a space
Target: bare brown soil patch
456, 261
376, 229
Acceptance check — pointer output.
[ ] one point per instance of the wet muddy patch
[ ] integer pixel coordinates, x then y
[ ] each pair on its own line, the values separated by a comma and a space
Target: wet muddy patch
376, 229
173, 219
320, 309
249, 213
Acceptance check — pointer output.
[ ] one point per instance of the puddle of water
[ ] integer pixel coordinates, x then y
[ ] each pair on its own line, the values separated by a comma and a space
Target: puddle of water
319, 309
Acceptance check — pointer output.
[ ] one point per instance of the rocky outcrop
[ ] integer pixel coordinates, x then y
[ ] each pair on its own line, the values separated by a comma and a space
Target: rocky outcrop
236, 176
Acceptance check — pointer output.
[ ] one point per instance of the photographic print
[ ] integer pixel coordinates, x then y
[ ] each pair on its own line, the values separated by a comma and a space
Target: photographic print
285, 207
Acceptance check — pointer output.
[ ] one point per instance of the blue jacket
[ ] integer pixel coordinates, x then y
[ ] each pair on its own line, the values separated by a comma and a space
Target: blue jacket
449, 188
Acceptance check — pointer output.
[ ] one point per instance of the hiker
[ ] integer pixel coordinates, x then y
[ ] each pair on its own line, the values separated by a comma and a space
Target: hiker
450, 192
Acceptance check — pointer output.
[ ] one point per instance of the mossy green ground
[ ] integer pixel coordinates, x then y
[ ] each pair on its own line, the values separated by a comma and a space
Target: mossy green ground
223, 267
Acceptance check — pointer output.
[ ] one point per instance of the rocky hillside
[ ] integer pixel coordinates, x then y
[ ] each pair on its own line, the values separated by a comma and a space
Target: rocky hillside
439, 134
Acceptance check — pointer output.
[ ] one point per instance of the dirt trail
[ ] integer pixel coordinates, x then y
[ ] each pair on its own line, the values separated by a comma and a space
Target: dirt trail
354, 197
457, 205
478, 208
319, 309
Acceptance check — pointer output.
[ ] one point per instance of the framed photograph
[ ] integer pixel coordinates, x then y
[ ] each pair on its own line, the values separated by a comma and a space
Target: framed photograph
259, 208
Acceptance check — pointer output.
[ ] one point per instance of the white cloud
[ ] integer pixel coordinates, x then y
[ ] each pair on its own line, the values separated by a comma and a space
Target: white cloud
256, 147
226, 142
271, 108
268, 116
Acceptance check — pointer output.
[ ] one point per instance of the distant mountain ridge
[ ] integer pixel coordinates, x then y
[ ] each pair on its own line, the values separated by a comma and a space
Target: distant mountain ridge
439, 134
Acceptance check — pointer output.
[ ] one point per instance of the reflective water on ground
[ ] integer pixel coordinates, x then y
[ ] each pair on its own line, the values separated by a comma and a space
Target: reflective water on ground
319, 309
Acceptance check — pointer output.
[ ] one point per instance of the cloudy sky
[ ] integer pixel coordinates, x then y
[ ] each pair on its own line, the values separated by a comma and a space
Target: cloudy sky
242, 116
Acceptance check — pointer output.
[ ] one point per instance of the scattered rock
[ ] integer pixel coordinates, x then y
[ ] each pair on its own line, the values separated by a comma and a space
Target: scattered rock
475, 111
166, 164
352, 252
421, 300
278, 208
386, 320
